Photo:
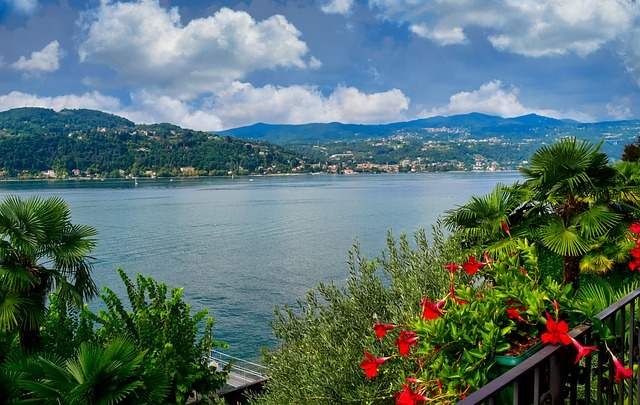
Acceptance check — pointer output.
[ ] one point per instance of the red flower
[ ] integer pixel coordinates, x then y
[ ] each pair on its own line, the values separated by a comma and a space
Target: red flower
514, 313
505, 228
635, 228
452, 267
431, 310
381, 329
405, 340
583, 351
472, 266
371, 363
622, 372
634, 265
452, 294
556, 332
635, 253
408, 397
412, 380
486, 257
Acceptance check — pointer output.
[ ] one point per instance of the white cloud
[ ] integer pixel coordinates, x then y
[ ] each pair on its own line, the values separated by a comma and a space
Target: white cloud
338, 7
620, 108
496, 99
242, 104
150, 47
22, 6
239, 104
630, 52
441, 36
148, 107
532, 28
91, 100
45, 60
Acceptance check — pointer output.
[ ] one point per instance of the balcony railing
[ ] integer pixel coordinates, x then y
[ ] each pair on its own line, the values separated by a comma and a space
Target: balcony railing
551, 376
244, 376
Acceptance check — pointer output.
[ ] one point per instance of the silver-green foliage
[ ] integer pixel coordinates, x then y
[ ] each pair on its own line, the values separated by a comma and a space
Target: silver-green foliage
322, 339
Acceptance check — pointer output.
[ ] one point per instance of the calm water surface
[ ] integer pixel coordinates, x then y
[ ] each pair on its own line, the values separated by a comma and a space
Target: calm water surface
241, 246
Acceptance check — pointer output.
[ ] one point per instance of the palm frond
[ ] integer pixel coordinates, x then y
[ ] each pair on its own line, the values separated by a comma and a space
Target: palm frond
596, 221
596, 262
563, 240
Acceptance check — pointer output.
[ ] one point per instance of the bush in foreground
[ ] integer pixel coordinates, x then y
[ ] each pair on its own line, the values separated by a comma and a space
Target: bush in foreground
323, 338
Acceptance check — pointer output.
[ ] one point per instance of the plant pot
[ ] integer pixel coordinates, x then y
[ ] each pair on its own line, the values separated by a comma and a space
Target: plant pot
506, 363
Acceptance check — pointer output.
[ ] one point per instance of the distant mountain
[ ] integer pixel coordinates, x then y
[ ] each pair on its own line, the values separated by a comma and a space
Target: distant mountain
474, 125
96, 143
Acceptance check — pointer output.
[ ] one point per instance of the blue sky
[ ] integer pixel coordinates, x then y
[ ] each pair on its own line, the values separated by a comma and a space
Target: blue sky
219, 64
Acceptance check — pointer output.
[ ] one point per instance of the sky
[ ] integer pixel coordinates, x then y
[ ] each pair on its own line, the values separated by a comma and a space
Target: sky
219, 64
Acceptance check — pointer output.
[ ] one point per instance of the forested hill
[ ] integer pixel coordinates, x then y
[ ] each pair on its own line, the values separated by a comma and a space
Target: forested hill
86, 142
454, 128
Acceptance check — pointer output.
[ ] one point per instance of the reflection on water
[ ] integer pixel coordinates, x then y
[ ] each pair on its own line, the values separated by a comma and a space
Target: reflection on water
241, 246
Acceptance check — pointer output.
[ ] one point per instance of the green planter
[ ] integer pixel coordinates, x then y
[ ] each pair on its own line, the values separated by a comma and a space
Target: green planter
506, 363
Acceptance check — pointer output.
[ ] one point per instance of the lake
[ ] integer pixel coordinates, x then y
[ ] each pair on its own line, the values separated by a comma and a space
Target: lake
240, 246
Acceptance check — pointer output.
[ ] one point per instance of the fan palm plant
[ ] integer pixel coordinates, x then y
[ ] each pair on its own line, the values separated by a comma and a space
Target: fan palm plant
572, 201
574, 188
40, 250
484, 220
114, 374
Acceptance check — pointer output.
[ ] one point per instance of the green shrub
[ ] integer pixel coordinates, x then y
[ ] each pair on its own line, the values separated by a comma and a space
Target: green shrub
161, 323
322, 339
95, 374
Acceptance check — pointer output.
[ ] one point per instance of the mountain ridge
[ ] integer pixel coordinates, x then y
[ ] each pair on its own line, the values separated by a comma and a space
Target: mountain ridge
477, 124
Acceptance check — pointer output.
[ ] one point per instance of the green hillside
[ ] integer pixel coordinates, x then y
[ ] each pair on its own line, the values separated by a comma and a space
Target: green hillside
33, 140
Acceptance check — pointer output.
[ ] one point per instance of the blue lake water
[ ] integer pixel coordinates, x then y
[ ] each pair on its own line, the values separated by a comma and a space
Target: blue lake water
241, 246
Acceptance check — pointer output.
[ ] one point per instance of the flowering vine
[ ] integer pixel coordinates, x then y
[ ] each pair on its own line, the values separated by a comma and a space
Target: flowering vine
494, 306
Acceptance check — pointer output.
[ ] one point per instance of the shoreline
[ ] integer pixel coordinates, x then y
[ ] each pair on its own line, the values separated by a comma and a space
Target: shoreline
100, 179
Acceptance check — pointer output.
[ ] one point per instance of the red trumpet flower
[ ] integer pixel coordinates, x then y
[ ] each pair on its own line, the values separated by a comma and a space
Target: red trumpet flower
381, 329
635, 228
371, 363
472, 266
514, 313
583, 351
622, 372
405, 340
557, 332
452, 267
505, 228
408, 397
431, 310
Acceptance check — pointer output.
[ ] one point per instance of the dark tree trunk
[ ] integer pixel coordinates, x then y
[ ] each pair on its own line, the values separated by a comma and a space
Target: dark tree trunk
30, 339
571, 270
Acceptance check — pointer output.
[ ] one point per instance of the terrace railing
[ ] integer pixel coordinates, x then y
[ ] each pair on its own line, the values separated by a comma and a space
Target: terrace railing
551, 376
244, 376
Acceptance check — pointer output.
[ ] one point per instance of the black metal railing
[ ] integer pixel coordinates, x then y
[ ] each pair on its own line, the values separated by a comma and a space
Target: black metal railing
551, 376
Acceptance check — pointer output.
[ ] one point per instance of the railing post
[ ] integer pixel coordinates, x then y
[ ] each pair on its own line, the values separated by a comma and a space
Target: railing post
632, 322
555, 380
562, 370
